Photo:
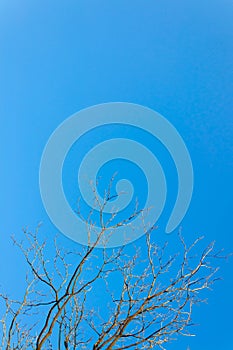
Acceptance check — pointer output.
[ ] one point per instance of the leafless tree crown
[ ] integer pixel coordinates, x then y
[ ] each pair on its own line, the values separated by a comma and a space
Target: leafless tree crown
137, 298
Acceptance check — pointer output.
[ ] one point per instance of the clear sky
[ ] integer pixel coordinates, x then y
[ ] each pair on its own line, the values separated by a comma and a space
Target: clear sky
175, 57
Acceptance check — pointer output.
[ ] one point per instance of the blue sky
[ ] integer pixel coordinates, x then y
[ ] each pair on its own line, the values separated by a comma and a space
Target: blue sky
172, 56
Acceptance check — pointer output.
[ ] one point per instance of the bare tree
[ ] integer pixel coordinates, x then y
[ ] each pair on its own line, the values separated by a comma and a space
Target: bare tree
146, 297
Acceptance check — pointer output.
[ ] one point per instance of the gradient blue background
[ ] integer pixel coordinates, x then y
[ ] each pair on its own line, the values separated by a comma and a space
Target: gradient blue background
175, 57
